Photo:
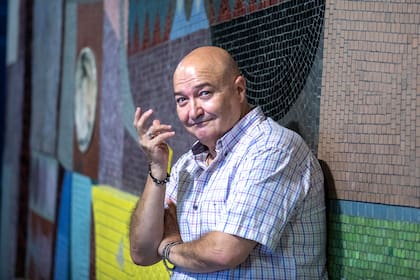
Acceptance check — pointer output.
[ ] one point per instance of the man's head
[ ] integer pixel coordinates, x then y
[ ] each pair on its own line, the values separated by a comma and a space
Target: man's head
210, 93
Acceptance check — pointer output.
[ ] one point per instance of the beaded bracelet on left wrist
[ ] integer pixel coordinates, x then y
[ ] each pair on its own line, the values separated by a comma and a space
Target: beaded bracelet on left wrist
156, 180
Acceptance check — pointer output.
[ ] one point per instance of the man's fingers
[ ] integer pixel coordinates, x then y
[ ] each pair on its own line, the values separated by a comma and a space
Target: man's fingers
140, 119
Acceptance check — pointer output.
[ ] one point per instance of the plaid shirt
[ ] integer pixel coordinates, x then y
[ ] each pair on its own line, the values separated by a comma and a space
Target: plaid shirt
264, 185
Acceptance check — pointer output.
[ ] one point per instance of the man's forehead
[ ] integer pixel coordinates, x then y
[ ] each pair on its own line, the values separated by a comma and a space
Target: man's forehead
196, 73
188, 70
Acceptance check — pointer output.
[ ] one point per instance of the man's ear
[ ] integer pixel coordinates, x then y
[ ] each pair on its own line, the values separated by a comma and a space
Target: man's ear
240, 86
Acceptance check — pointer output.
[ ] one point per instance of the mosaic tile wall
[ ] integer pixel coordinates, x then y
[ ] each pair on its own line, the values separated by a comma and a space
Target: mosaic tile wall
369, 137
87, 17
276, 49
3, 37
370, 108
45, 63
344, 74
16, 152
373, 241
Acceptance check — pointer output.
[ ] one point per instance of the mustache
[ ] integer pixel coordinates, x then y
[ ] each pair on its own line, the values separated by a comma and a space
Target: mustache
198, 121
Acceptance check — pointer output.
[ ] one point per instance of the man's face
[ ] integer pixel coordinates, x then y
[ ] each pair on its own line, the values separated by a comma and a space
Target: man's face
208, 103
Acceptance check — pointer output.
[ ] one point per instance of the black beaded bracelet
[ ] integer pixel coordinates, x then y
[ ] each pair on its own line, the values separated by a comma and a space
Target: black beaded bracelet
156, 180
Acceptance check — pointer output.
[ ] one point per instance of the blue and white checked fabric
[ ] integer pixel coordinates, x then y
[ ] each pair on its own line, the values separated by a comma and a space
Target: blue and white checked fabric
264, 185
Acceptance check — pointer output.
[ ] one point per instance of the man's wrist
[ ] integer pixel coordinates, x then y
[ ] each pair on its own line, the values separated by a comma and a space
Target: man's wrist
166, 252
158, 180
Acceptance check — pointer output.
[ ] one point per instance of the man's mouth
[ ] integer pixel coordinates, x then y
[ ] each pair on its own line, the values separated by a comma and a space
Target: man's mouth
199, 123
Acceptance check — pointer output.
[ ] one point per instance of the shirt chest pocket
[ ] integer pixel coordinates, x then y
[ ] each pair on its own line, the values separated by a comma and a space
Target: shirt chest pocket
212, 205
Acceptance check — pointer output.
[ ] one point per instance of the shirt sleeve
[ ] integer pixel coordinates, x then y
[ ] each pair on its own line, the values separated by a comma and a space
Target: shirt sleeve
263, 198
171, 186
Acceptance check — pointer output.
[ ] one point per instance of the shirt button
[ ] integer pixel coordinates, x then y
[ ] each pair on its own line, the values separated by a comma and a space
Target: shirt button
195, 207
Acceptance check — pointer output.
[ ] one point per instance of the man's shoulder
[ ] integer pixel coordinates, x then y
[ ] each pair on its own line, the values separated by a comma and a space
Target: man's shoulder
269, 136
273, 134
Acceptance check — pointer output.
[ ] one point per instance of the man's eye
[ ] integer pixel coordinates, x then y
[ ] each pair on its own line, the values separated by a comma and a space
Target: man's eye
204, 93
180, 100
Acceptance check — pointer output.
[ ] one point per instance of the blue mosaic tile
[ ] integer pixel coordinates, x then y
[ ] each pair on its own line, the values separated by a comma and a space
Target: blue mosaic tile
375, 211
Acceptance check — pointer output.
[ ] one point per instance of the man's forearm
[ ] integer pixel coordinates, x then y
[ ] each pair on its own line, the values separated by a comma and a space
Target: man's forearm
146, 226
213, 252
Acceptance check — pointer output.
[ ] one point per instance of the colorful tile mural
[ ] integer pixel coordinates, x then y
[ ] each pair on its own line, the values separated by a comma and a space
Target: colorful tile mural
343, 74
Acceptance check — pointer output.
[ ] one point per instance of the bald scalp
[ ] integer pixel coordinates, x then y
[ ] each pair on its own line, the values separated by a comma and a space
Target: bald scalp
212, 59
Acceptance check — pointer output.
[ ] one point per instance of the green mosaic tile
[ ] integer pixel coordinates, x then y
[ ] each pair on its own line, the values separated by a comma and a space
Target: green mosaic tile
378, 241
362, 248
415, 235
417, 256
417, 246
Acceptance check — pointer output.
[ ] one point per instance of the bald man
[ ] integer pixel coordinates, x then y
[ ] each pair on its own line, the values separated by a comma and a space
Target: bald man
246, 202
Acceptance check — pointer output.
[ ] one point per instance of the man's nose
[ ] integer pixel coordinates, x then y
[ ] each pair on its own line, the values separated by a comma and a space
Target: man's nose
196, 110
